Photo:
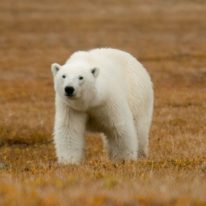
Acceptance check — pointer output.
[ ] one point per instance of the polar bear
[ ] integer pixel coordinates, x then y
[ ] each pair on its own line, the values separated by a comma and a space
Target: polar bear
102, 90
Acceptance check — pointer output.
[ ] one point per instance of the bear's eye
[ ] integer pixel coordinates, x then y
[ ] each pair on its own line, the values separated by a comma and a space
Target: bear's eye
63, 76
81, 77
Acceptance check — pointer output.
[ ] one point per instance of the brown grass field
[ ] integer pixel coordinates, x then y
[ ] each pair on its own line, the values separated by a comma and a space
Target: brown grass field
168, 37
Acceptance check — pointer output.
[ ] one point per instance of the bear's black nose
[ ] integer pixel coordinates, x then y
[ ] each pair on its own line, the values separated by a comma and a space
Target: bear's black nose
69, 91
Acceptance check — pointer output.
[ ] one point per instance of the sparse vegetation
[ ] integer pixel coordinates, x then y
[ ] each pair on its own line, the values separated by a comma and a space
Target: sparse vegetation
168, 37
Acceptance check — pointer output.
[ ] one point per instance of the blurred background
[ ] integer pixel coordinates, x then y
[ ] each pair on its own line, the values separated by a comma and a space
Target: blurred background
168, 37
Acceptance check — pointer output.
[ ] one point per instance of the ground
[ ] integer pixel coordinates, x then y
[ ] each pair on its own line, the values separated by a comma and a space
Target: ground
168, 37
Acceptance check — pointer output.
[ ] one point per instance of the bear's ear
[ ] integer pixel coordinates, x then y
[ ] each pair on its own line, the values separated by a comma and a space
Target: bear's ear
55, 68
95, 71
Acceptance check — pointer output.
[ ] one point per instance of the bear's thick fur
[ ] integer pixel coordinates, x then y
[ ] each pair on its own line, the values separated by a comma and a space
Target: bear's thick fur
107, 91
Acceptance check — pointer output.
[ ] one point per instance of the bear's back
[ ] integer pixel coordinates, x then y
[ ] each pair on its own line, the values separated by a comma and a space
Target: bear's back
134, 78
122, 63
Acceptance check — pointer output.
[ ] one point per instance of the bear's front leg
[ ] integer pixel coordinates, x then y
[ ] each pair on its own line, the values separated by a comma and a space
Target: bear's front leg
122, 142
69, 135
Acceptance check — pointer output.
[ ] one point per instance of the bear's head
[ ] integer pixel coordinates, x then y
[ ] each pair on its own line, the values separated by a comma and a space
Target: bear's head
75, 83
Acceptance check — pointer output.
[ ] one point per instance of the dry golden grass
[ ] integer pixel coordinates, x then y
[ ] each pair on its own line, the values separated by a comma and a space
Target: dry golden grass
168, 37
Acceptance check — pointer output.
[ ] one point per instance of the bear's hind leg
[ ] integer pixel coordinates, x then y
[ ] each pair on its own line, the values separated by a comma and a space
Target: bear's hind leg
143, 127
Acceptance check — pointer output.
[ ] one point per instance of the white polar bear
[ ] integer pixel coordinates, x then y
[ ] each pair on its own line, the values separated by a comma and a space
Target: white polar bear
102, 90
